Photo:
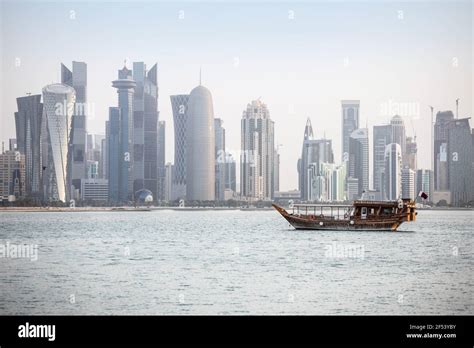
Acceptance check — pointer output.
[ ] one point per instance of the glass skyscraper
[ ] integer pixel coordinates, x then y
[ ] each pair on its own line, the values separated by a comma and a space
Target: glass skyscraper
120, 143
443, 118
382, 137
179, 104
460, 162
350, 122
314, 152
393, 172
258, 149
145, 129
58, 103
220, 158
359, 158
77, 78
28, 121
161, 159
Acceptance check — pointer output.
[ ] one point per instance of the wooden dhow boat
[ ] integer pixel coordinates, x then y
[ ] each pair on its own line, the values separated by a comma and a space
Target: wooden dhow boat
362, 215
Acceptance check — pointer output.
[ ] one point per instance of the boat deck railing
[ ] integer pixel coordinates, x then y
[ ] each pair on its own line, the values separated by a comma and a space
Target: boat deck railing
328, 211
318, 205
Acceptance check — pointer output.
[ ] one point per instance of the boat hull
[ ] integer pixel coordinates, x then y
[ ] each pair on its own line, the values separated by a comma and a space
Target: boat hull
343, 226
325, 224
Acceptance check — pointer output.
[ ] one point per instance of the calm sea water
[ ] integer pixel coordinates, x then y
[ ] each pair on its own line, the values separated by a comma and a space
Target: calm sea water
233, 262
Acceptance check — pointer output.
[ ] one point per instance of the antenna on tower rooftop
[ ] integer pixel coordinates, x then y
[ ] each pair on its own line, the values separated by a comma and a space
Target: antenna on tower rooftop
200, 75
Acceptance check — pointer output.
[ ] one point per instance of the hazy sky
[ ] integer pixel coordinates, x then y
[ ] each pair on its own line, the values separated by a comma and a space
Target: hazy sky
300, 58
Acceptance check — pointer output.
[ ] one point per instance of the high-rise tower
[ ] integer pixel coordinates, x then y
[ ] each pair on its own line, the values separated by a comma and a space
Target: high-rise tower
350, 122
393, 172
382, 137
58, 106
408, 183
257, 162
77, 78
28, 120
307, 156
200, 147
122, 126
220, 158
359, 158
145, 129
410, 156
443, 119
179, 105
398, 132
313, 153
161, 159
460, 162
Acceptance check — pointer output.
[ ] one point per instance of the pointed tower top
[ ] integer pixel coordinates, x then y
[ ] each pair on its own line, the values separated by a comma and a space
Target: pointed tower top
200, 76
308, 130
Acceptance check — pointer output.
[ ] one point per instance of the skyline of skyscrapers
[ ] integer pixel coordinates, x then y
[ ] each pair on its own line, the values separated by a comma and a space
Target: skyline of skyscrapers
134, 132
